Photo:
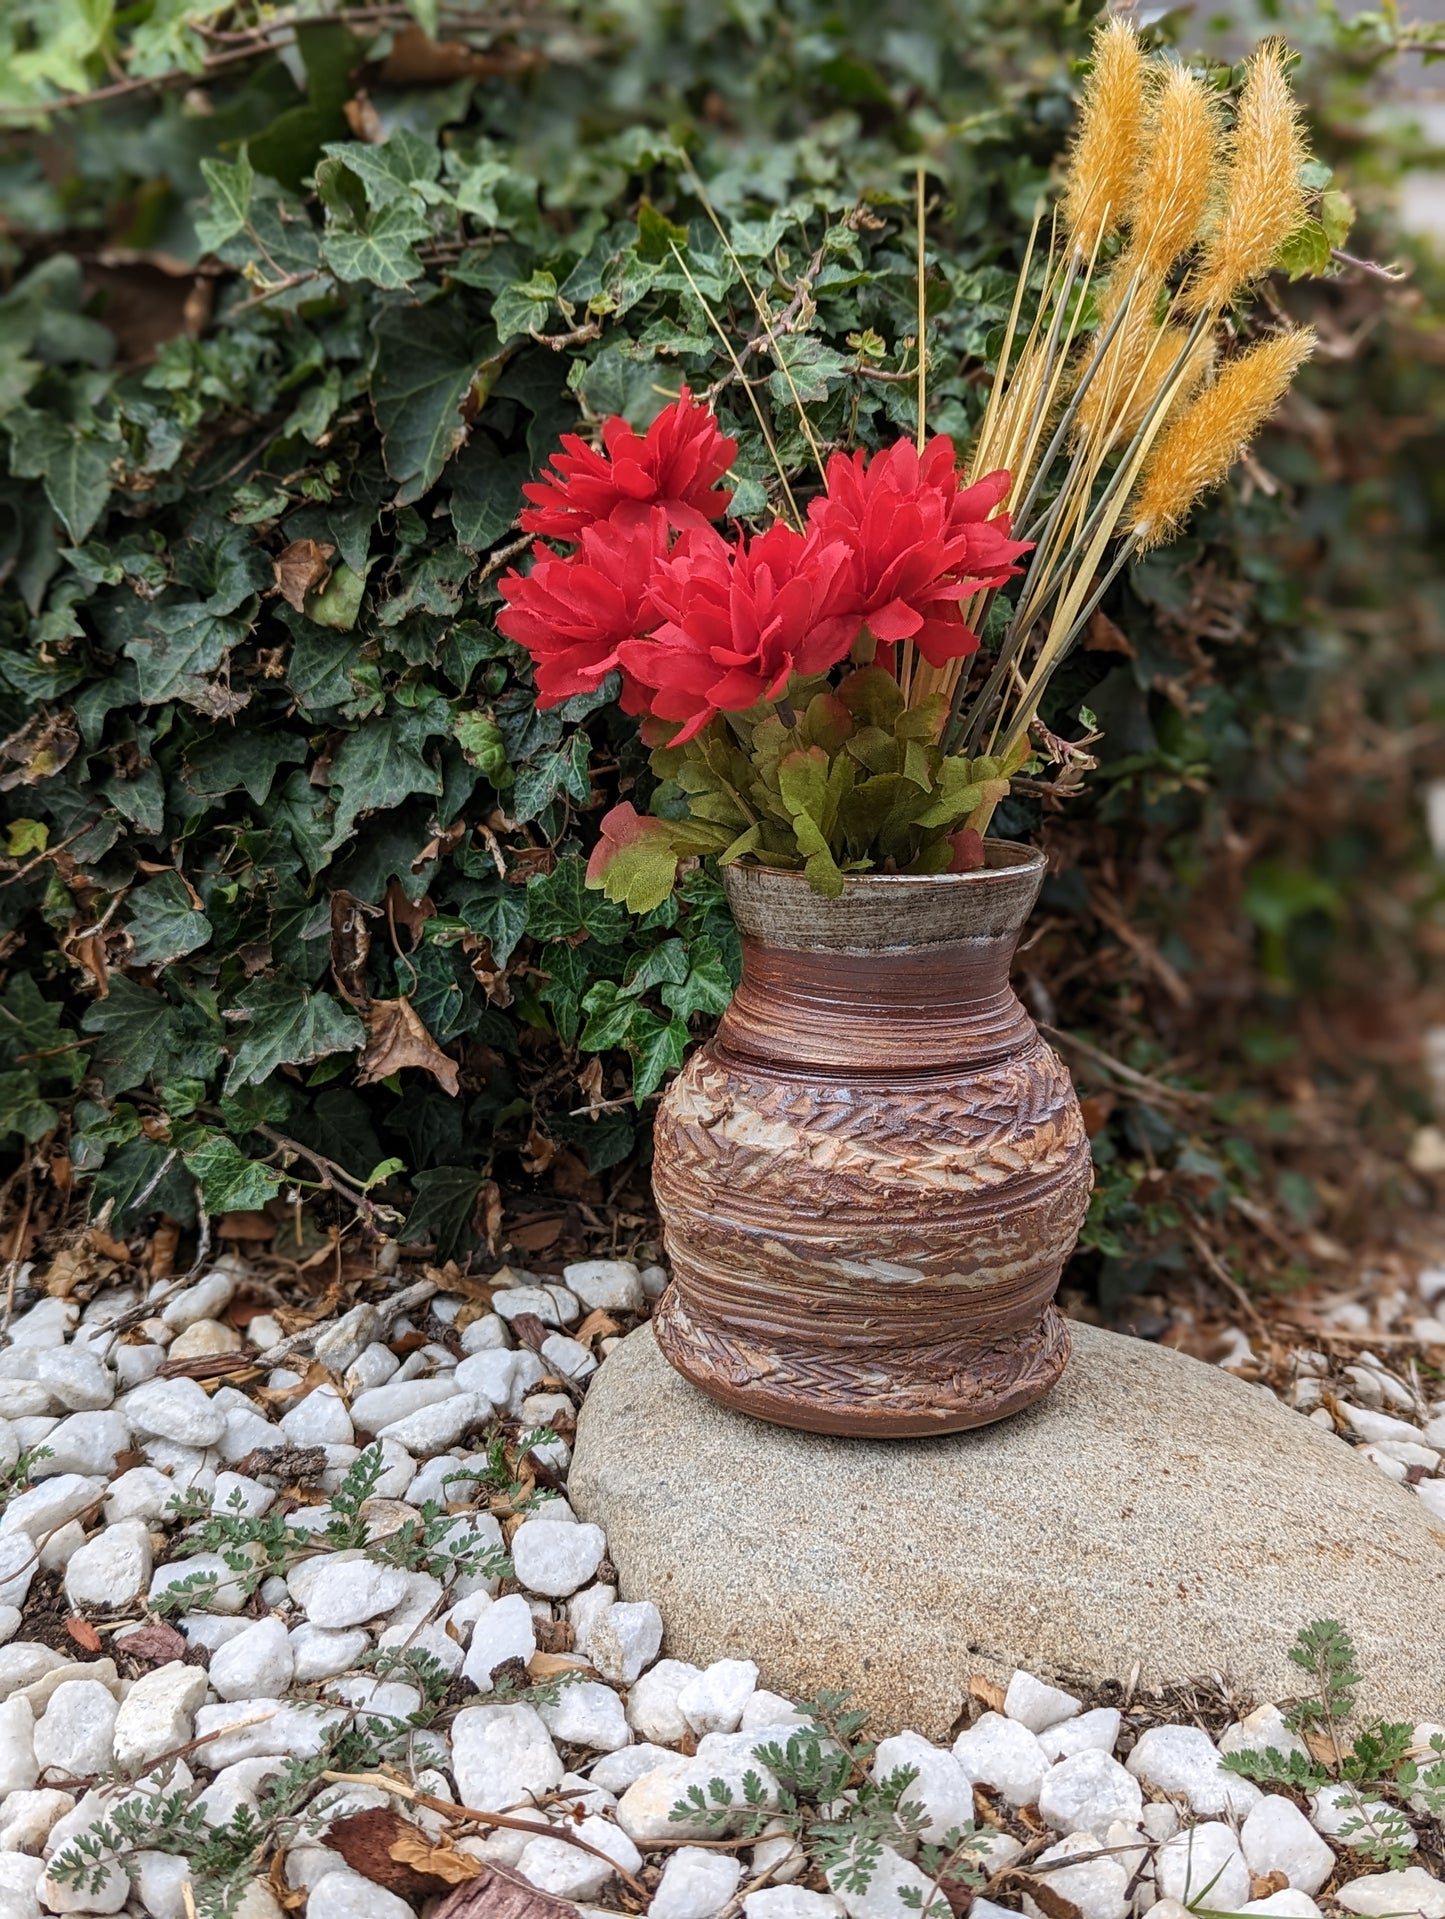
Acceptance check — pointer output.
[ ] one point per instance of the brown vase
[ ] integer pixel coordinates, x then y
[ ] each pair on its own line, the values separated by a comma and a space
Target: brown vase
870, 1179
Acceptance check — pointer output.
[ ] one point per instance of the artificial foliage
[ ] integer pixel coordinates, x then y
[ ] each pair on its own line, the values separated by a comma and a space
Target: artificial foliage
295, 864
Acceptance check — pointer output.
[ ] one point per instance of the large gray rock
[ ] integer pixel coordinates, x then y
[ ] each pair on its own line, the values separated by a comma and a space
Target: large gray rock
1150, 1509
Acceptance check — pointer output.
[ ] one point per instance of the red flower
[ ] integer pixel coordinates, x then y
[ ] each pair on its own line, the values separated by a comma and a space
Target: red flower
738, 621
573, 614
919, 542
676, 466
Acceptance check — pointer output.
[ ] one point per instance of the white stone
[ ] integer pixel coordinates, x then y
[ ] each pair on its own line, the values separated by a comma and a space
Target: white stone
175, 1409
46, 1324
1004, 1754
556, 1560
1088, 1793
512, 1301
47, 1506
694, 1884
569, 1873
1276, 1837
652, 1708
155, 1715
613, 1285
256, 1664
1096, 1731
490, 1330
941, 1787
11, 1620
714, 1701
616, 1771
585, 1611
26, 1817
19, 1562
438, 1427
236, 1494
228, 1594
771, 1710
112, 1569
505, 1630
318, 1654
246, 1430
1391, 1468
19, 1769
345, 1894
84, 1443
343, 1589
373, 1366
1291, 1904
625, 1640
1097, 1884
76, 1734
260, 1729
141, 1493
589, 1714
59, 1549
1343, 1813
77, 1378
1262, 1731
383, 1405
1184, 1762
210, 1296
569, 1357
1373, 1425
1203, 1865
320, 1419
1033, 1704
502, 1756
1379, 1893
25, 1662
795, 1902
896, 1888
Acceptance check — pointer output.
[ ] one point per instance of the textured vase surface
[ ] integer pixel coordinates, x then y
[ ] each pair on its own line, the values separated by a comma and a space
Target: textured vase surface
869, 1180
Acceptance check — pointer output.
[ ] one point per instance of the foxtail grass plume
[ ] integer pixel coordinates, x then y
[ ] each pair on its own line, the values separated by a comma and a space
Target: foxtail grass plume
1110, 142
1175, 184
1264, 201
1197, 451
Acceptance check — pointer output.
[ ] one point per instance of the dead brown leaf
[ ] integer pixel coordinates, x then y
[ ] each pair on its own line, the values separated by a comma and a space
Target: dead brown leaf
986, 1691
154, 1645
300, 569
350, 945
83, 1633
1102, 636
259, 1227
539, 1152
365, 1839
411, 1847
535, 1235
398, 1038
412, 914
165, 1241
1049, 1900
597, 1325
416, 59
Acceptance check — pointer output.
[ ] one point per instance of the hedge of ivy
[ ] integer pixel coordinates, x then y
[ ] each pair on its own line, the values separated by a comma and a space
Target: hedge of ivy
293, 857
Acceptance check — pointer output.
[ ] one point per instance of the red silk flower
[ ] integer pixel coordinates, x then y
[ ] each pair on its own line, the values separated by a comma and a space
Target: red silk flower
676, 466
737, 622
919, 543
573, 614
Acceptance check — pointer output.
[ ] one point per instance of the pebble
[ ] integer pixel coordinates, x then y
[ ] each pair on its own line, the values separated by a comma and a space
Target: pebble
490, 1330
569, 1873
226, 1596
555, 1560
694, 1884
85, 1443
895, 1888
345, 1894
795, 1902
588, 1714
714, 1700
1276, 1837
318, 1654
155, 1715
1204, 1859
1033, 1704
18, 1768
1004, 1754
175, 1409
343, 1589
1096, 1731
941, 1787
569, 1357
434, 1428
205, 1339
18, 1565
1097, 1884
1260, 1731
383, 1405
624, 1639
210, 1296
1342, 1812
502, 1756
341, 1342
1089, 1792
47, 1506
27, 1816
645, 1809
257, 1664
112, 1569
1184, 1762
76, 1734
652, 1708
616, 1771
513, 1301
505, 1630
608, 1285
261, 1729
1380, 1893
320, 1419
585, 1612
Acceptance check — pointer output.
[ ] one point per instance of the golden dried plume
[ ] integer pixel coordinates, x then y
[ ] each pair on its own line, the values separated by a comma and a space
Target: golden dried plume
1110, 140
1175, 182
1264, 202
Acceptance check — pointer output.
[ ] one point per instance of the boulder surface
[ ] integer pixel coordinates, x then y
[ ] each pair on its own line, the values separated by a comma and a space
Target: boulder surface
1150, 1510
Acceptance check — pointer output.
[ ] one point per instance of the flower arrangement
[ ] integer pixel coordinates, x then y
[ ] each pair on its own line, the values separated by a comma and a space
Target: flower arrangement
814, 689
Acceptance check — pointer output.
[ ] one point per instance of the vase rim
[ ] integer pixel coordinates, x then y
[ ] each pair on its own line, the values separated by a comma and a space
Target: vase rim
778, 907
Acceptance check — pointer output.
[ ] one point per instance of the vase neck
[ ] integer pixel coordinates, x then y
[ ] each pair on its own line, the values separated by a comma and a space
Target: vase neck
896, 1012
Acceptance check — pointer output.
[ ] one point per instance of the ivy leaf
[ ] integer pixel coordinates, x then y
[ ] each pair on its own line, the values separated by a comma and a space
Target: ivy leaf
480, 739
523, 306
377, 766
379, 248
289, 1026
1306, 252
563, 770
610, 1014
395, 170
433, 370
22, 1110
658, 1048
165, 922
708, 987
72, 462
498, 915
229, 1182
182, 647
486, 492
444, 1208
143, 1034
634, 861
559, 905
229, 212
1337, 216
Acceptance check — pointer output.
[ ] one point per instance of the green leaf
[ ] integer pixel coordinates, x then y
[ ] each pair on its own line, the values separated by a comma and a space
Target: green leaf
378, 765
289, 1025
1337, 216
610, 1014
22, 1110
229, 1182
635, 862
74, 464
379, 249
144, 1035
659, 1047
229, 210
523, 306
444, 1209
1305, 253
433, 369
480, 738
486, 492
164, 922
393, 171
563, 770
708, 987
340, 605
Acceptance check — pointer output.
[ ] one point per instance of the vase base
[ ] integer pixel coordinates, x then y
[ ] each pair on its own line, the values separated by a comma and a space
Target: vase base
898, 1392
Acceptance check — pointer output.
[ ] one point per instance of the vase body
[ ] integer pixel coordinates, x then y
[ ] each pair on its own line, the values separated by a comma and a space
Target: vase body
870, 1178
